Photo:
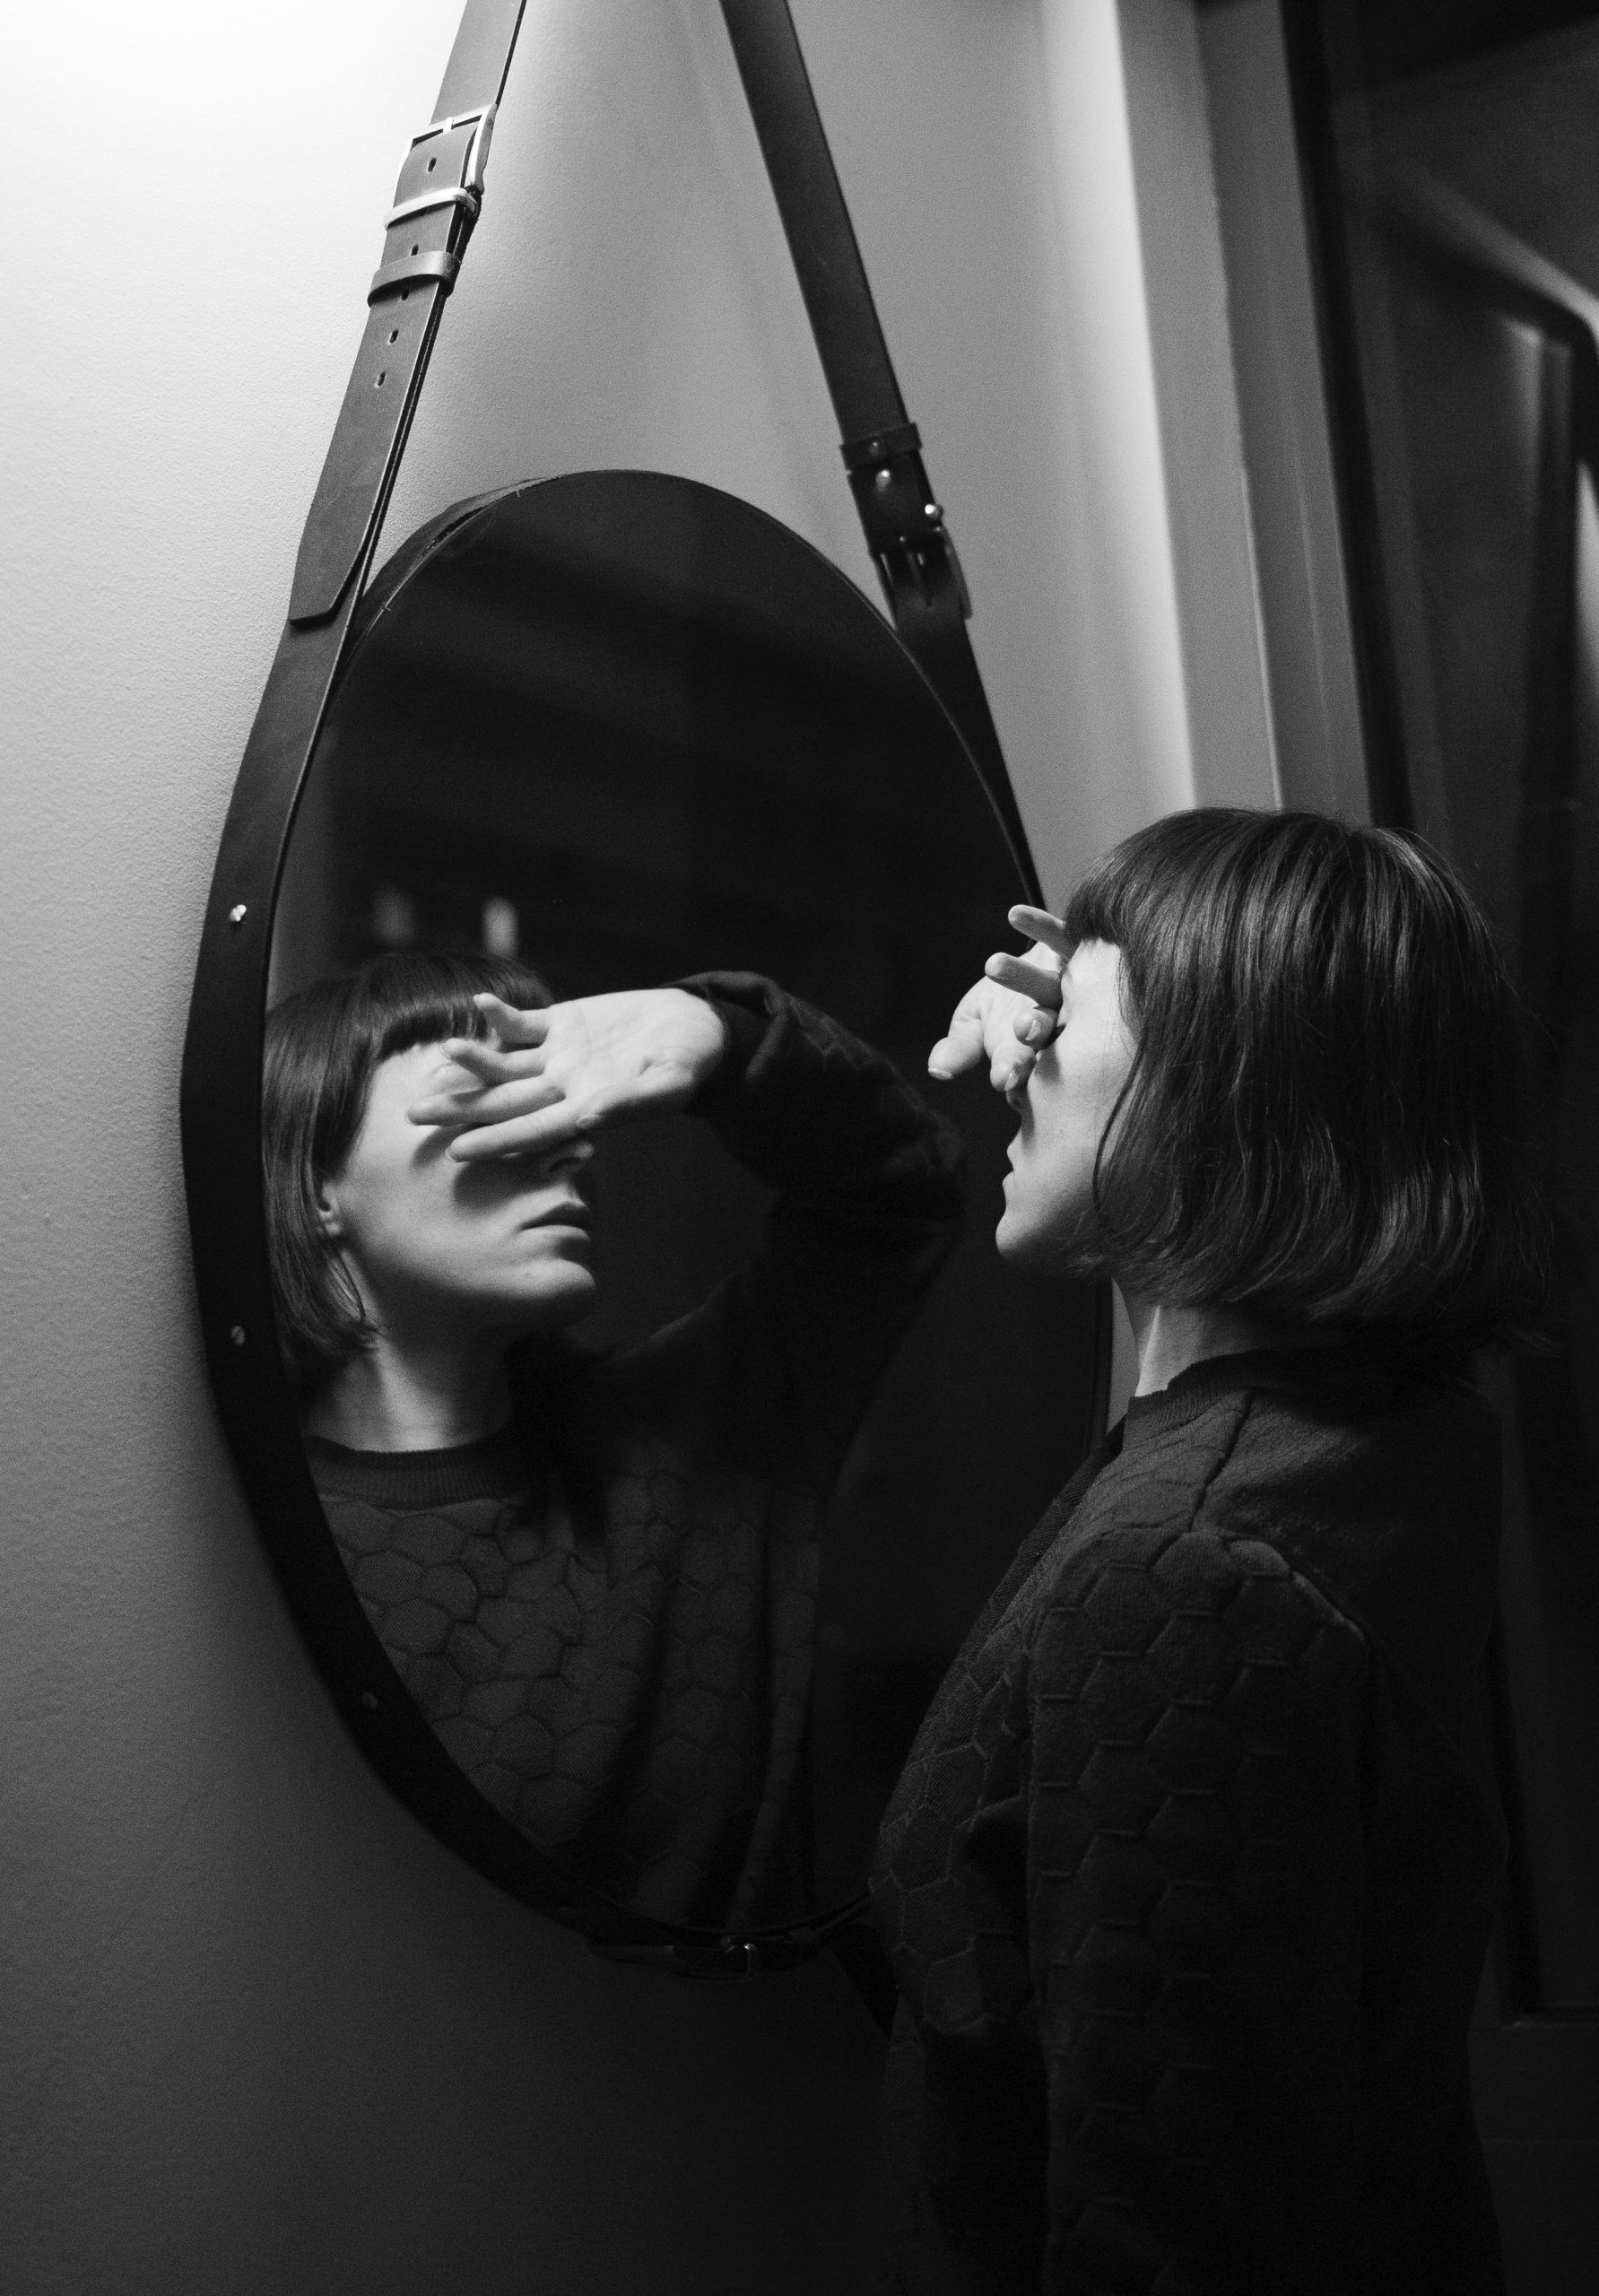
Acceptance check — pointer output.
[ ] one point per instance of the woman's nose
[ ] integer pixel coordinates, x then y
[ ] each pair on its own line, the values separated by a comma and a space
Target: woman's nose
571, 1158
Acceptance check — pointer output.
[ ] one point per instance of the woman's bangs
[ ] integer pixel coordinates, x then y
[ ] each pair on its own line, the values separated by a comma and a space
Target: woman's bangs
406, 1000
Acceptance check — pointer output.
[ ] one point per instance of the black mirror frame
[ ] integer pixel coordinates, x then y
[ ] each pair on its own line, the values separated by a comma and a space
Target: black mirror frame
222, 1168
437, 200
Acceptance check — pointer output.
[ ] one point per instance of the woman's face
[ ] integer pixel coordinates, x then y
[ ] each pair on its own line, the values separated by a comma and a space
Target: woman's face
1065, 1106
436, 1247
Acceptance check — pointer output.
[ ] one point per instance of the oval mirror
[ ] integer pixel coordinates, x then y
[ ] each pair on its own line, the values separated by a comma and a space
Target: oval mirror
676, 1621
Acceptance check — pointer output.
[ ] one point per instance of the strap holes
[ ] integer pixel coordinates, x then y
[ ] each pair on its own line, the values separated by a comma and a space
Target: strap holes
432, 165
394, 334
382, 375
417, 248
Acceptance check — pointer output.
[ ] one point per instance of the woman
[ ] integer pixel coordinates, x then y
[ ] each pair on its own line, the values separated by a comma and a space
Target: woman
1188, 1881
596, 1579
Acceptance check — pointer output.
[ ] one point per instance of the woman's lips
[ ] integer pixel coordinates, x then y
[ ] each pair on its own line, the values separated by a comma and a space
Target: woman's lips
576, 1214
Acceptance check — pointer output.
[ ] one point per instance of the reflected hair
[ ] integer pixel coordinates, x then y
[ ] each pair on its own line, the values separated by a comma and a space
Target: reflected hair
324, 1045
1325, 1123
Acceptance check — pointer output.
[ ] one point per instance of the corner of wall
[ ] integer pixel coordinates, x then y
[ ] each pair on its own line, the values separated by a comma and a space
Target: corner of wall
1213, 567
1109, 357
1300, 579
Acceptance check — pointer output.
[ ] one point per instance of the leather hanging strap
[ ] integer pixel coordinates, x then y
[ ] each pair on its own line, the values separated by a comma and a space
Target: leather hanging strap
435, 203
435, 206
904, 525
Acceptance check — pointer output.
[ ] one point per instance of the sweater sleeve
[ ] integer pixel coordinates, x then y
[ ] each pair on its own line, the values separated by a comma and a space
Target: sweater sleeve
869, 1200
1194, 1855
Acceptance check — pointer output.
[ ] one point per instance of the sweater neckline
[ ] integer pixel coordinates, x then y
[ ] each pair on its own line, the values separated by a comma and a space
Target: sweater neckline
1357, 1374
495, 1466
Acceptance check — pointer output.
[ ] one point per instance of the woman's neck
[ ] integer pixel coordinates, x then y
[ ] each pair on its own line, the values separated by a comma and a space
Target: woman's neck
1172, 1340
392, 1399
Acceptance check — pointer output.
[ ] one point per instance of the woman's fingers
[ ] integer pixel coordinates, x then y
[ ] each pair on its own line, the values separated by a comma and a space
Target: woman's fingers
492, 1064
1039, 985
563, 1118
525, 1120
1013, 1010
487, 1104
961, 1050
1048, 931
537, 1117
993, 1028
1009, 1063
539, 1133
514, 1025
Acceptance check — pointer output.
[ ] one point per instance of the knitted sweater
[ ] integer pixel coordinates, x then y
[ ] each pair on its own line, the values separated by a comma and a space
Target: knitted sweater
1188, 1882
607, 1613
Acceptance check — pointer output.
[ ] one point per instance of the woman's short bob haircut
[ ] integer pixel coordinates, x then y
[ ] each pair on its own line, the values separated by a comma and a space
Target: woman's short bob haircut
1325, 1123
323, 1046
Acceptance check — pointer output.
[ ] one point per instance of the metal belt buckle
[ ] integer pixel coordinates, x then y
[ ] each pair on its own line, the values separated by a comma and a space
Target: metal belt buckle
910, 545
469, 191
923, 571
465, 197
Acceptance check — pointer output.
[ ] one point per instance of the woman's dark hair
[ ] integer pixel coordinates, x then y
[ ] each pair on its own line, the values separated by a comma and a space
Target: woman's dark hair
1326, 1120
323, 1046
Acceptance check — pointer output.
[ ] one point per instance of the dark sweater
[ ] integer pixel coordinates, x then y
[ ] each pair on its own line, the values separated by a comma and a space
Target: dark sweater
607, 1613
1188, 1882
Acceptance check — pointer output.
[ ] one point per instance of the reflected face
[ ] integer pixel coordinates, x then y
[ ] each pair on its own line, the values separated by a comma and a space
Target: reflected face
1064, 1107
500, 1248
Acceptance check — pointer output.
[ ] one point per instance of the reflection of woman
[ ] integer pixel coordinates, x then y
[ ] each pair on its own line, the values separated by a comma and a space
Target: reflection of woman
1188, 1881
596, 1579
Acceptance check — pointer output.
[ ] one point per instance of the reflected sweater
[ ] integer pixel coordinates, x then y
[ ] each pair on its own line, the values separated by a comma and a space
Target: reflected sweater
1188, 1882
607, 1613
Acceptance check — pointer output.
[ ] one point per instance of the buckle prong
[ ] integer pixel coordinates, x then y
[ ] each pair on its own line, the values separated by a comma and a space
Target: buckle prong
477, 151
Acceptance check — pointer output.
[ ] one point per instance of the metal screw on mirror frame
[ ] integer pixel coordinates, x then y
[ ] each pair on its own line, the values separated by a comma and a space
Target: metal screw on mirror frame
236, 1334
237, 913
368, 1698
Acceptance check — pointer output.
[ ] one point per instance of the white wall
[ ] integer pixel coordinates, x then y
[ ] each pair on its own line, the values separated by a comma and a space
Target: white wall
258, 2033
629, 300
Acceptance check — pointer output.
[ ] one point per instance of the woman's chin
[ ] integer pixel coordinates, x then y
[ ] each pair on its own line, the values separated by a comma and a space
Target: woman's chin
1048, 1247
1011, 1238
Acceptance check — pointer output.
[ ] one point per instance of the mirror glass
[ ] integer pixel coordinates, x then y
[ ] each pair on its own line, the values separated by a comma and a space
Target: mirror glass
678, 1620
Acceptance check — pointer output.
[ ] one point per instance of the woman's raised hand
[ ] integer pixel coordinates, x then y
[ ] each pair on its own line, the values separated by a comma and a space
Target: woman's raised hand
552, 1075
1011, 1013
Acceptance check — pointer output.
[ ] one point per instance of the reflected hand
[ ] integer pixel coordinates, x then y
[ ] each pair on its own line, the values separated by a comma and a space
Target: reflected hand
1012, 1013
552, 1075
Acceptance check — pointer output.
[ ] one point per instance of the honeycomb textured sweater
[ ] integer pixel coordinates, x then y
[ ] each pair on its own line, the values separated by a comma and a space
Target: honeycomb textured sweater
607, 1613
1188, 1882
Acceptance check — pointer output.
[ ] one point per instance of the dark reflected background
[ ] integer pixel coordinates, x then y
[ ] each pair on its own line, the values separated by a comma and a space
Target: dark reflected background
627, 729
